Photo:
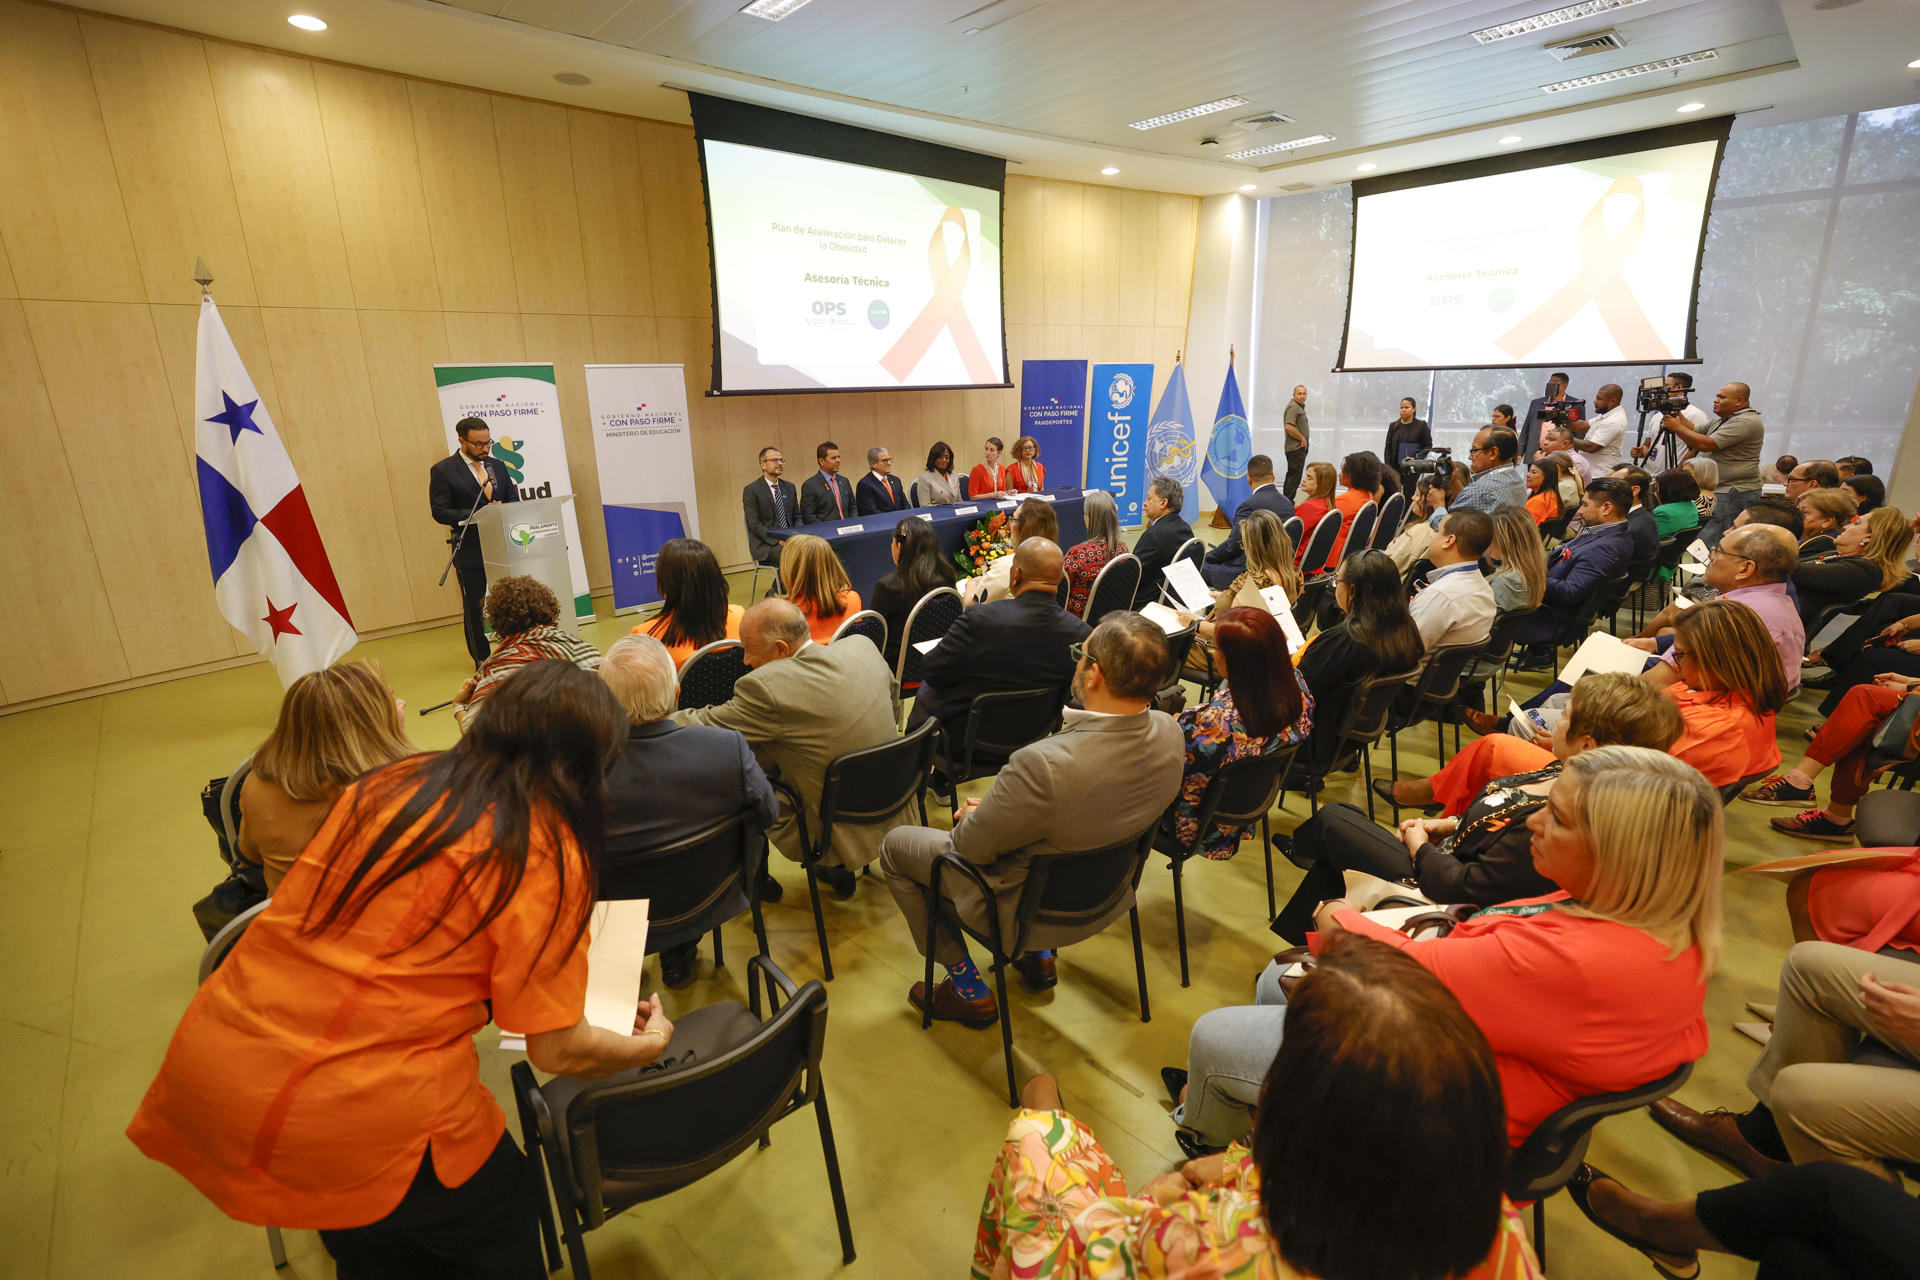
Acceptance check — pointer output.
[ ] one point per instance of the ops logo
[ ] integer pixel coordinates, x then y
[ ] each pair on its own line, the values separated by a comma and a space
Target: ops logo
821, 307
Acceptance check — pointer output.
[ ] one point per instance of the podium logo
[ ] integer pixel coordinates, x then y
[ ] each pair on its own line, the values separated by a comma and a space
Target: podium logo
508, 450
520, 535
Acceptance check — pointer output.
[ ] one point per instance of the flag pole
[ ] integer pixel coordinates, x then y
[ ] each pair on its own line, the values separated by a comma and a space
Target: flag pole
203, 277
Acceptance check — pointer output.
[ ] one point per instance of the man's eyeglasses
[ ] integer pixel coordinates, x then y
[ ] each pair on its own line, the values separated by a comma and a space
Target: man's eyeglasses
1731, 555
1078, 652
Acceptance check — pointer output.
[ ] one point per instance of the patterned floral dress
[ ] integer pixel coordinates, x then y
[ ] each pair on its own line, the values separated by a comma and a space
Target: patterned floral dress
1057, 1209
1216, 738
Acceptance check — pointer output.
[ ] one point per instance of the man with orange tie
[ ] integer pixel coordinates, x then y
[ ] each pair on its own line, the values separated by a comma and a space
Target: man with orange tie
826, 495
880, 489
457, 487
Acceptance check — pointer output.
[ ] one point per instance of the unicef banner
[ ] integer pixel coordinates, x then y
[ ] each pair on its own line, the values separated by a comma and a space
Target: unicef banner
1053, 407
1116, 445
521, 407
641, 442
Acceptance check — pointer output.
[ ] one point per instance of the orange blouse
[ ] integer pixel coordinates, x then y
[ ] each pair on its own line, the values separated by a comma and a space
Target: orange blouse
1017, 479
309, 1075
1544, 506
1724, 738
822, 628
681, 652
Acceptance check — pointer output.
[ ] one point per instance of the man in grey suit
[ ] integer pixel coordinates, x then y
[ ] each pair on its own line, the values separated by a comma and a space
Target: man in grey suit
799, 708
1109, 773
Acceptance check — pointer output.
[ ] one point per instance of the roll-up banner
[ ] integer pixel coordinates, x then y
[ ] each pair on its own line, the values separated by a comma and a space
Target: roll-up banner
1116, 444
521, 407
1053, 409
641, 442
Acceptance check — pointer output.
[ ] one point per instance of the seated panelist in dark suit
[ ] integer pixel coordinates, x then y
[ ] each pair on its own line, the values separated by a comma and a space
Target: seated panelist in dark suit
1020, 642
769, 503
826, 495
454, 485
880, 490
1229, 560
1165, 534
674, 781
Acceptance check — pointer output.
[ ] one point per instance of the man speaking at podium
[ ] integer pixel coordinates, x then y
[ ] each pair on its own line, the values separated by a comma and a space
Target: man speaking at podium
456, 488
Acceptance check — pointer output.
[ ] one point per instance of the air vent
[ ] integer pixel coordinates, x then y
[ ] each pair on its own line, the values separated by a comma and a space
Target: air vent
1254, 124
1580, 46
1296, 186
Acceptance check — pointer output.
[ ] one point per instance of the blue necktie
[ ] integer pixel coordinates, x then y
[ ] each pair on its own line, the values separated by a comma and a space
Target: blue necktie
779, 508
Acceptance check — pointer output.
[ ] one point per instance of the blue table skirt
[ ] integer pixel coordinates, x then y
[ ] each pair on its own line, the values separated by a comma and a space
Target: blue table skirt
868, 554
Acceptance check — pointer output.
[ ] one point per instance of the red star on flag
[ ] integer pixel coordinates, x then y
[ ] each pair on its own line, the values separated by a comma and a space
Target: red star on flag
281, 620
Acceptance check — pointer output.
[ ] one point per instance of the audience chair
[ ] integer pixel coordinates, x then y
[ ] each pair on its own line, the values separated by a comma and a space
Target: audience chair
1365, 721
1194, 550
708, 678
1633, 586
960, 481
1067, 898
224, 942
614, 1143
1888, 819
1113, 587
1581, 622
929, 619
1384, 529
998, 724
689, 879
861, 788
913, 493
1731, 792
1552, 531
1667, 558
1553, 1152
1179, 648
1065, 592
1492, 662
1363, 522
864, 623
1241, 794
1295, 528
1434, 692
1316, 574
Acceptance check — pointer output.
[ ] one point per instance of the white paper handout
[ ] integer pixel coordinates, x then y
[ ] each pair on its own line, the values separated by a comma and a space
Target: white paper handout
1188, 587
616, 952
928, 646
1275, 598
1699, 551
1602, 652
1168, 621
1519, 716
1682, 601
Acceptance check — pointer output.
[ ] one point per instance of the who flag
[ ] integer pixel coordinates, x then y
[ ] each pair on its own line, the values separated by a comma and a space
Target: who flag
271, 575
1170, 442
1228, 449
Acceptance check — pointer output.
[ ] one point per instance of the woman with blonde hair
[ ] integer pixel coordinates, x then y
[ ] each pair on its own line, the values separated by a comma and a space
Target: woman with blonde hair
1595, 988
1026, 474
1729, 685
817, 582
1318, 486
334, 725
1521, 579
1269, 564
1869, 555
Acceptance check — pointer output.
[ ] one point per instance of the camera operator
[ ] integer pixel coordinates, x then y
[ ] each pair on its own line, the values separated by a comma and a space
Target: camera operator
1602, 439
1734, 437
1556, 398
1498, 480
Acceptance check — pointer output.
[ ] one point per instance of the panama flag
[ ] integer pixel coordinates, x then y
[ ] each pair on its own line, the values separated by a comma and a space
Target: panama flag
270, 573
1170, 442
1229, 448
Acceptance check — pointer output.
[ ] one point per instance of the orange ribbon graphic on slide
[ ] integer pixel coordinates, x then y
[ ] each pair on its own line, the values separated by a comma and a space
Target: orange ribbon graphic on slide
1600, 282
943, 309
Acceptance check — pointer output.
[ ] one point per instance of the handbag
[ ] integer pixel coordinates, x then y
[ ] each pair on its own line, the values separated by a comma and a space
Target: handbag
1894, 740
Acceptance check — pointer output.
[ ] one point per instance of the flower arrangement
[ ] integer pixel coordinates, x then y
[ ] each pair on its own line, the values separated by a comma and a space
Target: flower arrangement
986, 542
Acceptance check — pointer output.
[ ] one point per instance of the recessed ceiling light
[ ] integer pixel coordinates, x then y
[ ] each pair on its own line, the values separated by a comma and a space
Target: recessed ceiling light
1552, 18
1664, 64
1109, 171
1271, 147
307, 22
772, 10
1688, 108
1914, 65
1188, 113
973, 31
1510, 140
1368, 168
572, 77
1249, 186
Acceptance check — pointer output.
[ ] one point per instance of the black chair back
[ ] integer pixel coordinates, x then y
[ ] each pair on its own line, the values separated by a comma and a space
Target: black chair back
1555, 528
871, 785
1113, 587
1391, 513
1543, 1163
1672, 550
961, 482
1731, 792
1179, 646
929, 619
1372, 706
1000, 723
1066, 590
1440, 675
1294, 526
689, 880
710, 674
1071, 890
228, 937
1243, 791
913, 493
1363, 522
864, 623
1192, 549
1313, 556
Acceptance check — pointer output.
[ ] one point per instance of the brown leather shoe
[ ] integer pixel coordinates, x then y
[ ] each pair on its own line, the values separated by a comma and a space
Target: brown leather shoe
1479, 721
1713, 1133
948, 1006
1037, 972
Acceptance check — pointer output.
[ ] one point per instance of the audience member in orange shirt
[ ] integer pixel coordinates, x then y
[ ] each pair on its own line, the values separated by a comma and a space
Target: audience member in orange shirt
1360, 472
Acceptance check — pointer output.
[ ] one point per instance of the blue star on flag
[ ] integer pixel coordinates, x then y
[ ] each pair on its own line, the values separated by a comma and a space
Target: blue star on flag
237, 417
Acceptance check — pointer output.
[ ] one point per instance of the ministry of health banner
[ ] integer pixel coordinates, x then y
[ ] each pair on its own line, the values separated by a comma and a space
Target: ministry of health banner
641, 441
521, 407
1117, 444
1053, 410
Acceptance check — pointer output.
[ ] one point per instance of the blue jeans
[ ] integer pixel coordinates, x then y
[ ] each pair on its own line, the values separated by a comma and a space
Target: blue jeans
1228, 1058
1727, 506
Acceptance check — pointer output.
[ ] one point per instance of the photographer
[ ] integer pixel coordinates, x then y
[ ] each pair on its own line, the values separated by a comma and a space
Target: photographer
1734, 439
1603, 437
1556, 398
1497, 478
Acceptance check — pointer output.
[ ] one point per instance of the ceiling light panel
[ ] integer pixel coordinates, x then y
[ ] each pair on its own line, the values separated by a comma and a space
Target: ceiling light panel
1644, 68
1552, 18
1204, 109
772, 10
1312, 141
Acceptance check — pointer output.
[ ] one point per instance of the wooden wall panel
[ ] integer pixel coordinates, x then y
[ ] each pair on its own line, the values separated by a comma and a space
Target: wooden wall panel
543, 224
1020, 245
60, 634
108, 386
609, 182
1061, 300
7, 288
1173, 264
270, 117
156, 98
475, 337
466, 209
627, 340
376, 182
1136, 254
1100, 255
60, 210
676, 223
401, 349
568, 342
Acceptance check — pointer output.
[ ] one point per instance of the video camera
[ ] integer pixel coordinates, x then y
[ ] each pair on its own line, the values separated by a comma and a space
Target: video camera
1558, 414
1437, 460
1657, 397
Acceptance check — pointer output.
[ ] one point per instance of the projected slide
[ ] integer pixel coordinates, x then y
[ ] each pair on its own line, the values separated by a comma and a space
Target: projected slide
836, 275
1588, 262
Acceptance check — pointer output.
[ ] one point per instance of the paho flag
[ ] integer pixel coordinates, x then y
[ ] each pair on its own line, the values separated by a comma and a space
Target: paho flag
641, 442
1228, 449
1120, 396
270, 573
1170, 442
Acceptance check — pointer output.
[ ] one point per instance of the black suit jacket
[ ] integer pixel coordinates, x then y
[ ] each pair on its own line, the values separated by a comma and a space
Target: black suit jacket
816, 503
1266, 498
877, 493
1017, 643
756, 500
1158, 541
673, 781
1530, 425
452, 491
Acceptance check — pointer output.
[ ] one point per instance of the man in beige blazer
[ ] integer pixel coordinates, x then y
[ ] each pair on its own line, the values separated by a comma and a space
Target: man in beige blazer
802, 706
1109, 773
